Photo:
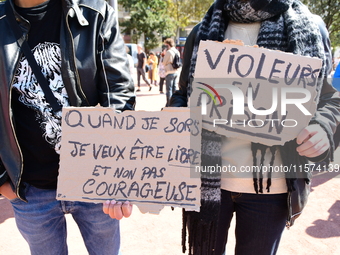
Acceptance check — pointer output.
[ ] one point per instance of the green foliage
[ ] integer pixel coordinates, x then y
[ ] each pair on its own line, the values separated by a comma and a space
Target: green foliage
161, 18
149, 18
188, 11
329, 12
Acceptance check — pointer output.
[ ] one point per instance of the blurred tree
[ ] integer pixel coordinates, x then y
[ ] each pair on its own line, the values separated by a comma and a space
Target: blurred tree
186, 12
150, 18
329, 12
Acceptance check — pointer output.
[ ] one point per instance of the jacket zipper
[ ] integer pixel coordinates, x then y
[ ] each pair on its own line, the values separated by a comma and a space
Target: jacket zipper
73, 64
106, 80
13, 131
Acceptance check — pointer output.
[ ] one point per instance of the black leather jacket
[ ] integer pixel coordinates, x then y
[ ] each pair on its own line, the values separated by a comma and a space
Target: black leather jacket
327, 115
94, 62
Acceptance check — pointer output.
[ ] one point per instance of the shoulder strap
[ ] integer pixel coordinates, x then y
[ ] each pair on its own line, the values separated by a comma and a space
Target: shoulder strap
33, 63
174, 50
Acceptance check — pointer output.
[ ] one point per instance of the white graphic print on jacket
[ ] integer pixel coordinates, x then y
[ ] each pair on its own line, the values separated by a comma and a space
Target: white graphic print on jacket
48, 58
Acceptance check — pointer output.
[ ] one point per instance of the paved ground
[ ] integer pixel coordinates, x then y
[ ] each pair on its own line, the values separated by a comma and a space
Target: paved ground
316, 232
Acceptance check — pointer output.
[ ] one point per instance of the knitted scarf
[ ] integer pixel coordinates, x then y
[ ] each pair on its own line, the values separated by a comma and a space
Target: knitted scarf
286, 25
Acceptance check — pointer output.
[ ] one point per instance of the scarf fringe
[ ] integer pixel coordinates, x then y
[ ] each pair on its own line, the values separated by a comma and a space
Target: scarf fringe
202, 234
258, 183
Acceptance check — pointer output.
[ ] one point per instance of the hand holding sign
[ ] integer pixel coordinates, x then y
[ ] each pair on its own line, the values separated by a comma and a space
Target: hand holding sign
313, 141
117, 210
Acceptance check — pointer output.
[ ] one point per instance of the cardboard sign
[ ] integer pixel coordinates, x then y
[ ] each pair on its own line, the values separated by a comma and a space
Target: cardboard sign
142, 157
253, 93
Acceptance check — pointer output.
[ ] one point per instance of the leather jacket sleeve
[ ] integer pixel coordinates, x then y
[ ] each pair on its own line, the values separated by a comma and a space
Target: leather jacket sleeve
116, 66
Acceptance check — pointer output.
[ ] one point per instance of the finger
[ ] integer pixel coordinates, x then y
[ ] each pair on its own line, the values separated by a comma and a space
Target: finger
106, 206
117, 208
302, 136
314, 153
308, 132
311, 142
127, 209
111, 209
316, 144
316, 150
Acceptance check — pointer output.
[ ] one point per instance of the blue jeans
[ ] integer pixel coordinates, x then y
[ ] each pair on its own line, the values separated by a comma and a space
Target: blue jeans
260, 221
170, 83
42, 223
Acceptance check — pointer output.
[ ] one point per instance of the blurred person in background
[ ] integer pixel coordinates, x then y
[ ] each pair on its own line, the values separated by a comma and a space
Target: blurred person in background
161, 71
153, 64
171, 73
141, 65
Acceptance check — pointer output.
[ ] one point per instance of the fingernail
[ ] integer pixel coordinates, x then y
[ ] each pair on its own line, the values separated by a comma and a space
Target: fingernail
113, 202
